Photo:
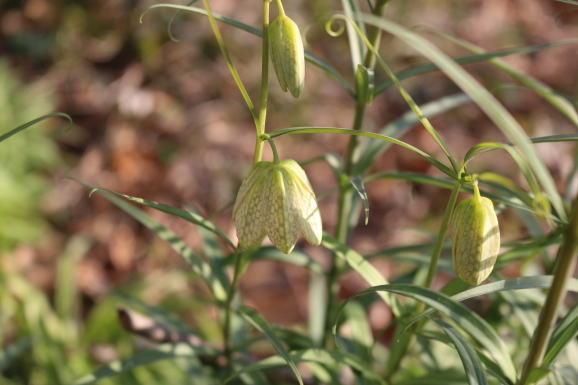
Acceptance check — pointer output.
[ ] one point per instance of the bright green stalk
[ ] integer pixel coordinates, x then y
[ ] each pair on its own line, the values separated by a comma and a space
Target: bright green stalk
281, 10
273, 147
234, 72
565, 265
264, 84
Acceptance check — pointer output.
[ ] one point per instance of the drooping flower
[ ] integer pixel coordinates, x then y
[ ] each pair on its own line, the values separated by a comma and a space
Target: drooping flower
276, 200
287, 54
476, 238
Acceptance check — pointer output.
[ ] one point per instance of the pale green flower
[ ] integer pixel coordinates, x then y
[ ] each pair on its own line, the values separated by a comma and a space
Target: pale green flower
476, 238
287, 54
276, 200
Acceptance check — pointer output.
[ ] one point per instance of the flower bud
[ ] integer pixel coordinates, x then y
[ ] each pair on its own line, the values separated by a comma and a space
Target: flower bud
276, 200
287, 54
476, 238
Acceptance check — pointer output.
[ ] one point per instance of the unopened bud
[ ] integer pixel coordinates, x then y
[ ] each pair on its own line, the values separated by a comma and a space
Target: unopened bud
276, 200
476, 238
287, 54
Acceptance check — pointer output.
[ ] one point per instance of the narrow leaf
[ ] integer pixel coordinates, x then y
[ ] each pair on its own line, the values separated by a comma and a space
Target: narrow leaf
470, 360
219, 288
470, 322
260, 324
487, 102
33, 122
535, 282
364, 268
186, 215
163, 352
402, 124
332, 130
324, 66
565, 332
321, 356
430, 67
357, 183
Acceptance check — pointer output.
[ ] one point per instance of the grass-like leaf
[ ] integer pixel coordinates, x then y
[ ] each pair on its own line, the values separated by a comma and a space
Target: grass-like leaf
472, 364
186, 215
260, 324
471, 323
217, 286
321, 356
357, 183
535, 282
16, 130
163, 352
430, 67
310, 57
333, 130
565, 332
402, 124
540, 88
364, 268
485, 100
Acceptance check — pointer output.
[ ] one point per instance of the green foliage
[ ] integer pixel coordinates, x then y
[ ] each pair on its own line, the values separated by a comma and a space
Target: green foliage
509, 344
24, 159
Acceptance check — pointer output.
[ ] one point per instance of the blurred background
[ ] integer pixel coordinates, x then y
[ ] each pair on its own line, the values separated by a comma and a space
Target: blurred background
163, 120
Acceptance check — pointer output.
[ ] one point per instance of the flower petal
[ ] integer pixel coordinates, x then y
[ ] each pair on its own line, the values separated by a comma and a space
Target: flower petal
282, 222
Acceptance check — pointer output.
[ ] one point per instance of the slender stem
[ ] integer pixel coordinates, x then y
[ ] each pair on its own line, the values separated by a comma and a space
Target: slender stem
273, 147
234, 72
344, 207
406, 341
441, 235
565, 265
374, 34
264, 84
230, 296
281, 10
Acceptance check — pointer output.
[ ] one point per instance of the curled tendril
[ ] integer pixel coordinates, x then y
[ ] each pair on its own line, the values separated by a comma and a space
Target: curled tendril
339, 21
173, 18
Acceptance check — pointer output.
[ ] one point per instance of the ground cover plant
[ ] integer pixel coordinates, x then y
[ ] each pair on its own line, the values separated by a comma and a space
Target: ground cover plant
524, 333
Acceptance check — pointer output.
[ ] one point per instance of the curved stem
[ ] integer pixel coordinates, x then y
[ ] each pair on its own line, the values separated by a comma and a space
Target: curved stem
273, 147
234, 72
565, 265
281, 10
258, 154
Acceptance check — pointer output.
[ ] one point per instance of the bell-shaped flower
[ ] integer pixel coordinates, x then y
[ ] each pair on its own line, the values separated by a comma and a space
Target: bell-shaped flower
277, 200
476, 238
287, 54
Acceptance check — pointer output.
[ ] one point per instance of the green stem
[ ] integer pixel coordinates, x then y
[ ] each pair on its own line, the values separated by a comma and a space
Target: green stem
258, 154
230, 296
565, 265
273, 147
281, 10
234, 72
395, 359
344, 207
374, 34
441, 235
